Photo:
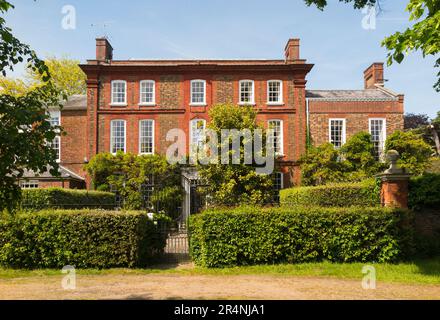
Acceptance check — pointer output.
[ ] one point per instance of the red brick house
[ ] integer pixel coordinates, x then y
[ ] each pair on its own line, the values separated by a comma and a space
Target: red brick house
131, 105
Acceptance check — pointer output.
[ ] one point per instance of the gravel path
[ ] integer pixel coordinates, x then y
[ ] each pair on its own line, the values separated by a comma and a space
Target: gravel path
160, 286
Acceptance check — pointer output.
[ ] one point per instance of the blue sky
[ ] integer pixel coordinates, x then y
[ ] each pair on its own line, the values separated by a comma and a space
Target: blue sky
333, 40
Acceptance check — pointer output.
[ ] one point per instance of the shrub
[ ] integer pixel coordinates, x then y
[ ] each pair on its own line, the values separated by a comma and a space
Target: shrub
246, 235
424, 191
38, 199
83, 238
143, 181
414, 151
366, 193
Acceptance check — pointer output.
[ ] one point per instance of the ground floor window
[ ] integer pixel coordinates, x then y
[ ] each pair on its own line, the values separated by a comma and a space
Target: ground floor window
337, 132
29, 184
378, 136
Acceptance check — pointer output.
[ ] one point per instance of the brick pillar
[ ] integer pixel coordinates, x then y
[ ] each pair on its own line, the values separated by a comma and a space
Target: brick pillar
394, 188
394, 191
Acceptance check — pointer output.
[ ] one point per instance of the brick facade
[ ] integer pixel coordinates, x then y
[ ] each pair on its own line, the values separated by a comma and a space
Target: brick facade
88, 129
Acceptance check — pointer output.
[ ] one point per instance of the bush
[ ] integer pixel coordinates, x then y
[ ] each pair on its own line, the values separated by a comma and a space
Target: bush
246, 236
38, 199
414, 151
83, 238
424, 191
366, 193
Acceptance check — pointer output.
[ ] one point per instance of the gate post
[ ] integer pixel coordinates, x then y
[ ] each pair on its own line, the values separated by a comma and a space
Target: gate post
394, 187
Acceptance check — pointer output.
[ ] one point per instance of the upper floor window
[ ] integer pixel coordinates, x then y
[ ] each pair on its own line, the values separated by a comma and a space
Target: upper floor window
56, 146
147, 92
119, 92
337, 132
277, 137
377, 128
197, 134
55, 118
146, 136
198, 92
246, 94
274, 92
117, 136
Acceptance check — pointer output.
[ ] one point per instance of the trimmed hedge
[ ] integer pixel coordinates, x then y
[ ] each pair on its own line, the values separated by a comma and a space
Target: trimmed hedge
82, 238
424, 191
364, 193
247, 236
59, 198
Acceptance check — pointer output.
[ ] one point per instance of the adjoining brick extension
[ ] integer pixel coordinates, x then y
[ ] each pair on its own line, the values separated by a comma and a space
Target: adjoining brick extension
87, 119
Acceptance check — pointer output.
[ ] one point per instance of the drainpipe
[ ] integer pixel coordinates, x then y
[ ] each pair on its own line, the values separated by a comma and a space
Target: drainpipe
307, 125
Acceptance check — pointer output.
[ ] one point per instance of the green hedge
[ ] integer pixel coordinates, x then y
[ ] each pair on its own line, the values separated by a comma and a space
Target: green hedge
58, 198
333, 195
246, 236
82, 238
424, 191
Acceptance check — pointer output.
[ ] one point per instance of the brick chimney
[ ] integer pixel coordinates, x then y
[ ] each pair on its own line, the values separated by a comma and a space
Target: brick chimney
104, 50
291, 51
373, 76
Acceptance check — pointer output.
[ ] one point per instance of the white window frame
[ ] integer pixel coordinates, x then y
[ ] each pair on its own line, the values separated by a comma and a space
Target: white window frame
192, 103
58, 159
25, 184
191, 133
147, 103
111, 135
114, 103
344, 130
252, 102
55, 114
152, 136
384, 131
281, 137
280, 98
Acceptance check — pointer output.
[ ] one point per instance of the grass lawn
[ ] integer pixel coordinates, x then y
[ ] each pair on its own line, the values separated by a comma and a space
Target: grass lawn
417, 272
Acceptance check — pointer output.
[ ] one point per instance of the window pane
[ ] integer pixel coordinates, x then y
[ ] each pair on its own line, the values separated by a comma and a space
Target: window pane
146, 136
246, 92
197, 134
197, 91
147, 92
117, 136
274, 91
276, 138
336, 132
55, 145
377, 136
118, 92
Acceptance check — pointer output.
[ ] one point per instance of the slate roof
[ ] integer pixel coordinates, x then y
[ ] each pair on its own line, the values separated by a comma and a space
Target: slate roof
352, 95
76, 102
65, 174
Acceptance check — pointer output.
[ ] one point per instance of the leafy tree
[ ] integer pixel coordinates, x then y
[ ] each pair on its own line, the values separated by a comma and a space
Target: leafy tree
358, 155
231, 184
414, 121
423, 35
321, 165
65, 73
414, 151
66, 76
144, 182
24, 127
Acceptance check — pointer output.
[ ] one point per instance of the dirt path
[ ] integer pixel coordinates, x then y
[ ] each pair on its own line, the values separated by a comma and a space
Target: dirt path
160, 286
